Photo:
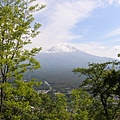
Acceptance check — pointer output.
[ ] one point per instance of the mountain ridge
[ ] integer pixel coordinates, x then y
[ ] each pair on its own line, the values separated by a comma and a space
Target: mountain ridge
56, 67
62, 48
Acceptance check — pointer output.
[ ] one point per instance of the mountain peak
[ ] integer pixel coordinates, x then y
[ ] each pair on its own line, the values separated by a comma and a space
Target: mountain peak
62, 47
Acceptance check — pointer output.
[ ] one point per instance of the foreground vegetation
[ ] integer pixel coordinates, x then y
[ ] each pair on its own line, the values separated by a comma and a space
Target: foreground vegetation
98, 97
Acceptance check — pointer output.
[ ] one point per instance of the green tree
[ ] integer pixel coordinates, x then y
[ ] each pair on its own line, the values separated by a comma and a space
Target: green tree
80, 105
17, 27
21, 100
61, 107
102, 83
54, 108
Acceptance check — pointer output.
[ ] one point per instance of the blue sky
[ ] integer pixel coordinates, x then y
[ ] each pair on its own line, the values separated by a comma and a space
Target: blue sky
92, 26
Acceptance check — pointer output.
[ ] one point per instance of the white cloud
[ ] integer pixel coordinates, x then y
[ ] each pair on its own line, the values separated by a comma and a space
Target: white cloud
118, 1
61, 18
108, 2
113, 33
117, 48
113, 41
100, 50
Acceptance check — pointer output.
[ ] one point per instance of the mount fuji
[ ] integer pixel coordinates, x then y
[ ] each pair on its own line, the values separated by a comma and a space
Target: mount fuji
62, 47
58, 62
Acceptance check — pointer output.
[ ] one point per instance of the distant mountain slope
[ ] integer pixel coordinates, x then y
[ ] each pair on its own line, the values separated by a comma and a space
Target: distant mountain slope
57, 65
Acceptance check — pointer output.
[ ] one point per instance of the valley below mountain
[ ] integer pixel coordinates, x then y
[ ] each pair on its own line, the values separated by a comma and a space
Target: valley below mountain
57, 64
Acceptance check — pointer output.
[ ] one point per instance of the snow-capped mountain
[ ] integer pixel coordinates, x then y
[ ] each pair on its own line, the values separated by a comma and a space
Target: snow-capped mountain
58, 62
62, 47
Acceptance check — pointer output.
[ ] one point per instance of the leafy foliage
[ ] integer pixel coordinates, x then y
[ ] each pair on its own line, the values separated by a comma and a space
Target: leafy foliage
98, 97
19, 100
80, 105
54, 108
15, 32
17, 27
103, 84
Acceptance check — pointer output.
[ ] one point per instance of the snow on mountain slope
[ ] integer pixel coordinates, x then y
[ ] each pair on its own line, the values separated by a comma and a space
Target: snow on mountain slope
62, 47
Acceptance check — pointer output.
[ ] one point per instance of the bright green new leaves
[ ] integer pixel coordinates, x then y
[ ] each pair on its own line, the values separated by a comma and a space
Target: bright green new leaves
80, 105
61, 107
17, 27
53, 108
20, 99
